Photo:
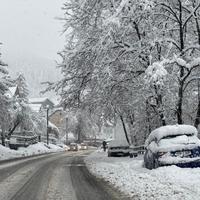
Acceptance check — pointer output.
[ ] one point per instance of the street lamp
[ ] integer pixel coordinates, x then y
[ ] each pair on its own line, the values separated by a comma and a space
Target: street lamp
47, 107
66, 130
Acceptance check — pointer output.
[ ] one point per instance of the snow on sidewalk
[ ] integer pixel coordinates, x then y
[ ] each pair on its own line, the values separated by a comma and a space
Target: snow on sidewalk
164, 183
35, 149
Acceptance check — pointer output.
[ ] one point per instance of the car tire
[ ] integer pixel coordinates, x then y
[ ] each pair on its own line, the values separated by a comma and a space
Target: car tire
156, 164
149, 161
131, 155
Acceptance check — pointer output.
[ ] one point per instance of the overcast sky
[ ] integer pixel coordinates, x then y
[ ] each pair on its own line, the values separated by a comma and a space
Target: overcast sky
28, 28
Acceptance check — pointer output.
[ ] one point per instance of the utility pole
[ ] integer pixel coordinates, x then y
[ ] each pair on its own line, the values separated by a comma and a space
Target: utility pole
66, 130
47, 107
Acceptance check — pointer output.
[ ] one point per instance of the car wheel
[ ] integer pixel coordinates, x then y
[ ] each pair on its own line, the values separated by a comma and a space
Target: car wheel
156, 164
148, 160
131, 155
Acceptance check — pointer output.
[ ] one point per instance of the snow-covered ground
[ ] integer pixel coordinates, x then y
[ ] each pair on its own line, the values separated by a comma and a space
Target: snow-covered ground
164, 183
35, 149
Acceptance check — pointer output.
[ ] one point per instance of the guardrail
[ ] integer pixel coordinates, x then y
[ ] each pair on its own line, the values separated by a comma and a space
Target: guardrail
135, 150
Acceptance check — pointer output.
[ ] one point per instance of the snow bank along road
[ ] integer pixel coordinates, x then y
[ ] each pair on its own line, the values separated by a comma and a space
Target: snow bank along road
129, 175
53, 177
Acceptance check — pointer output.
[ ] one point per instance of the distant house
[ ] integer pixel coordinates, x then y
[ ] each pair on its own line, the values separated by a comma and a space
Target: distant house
54, 133
12, 92
59, 118
38, 104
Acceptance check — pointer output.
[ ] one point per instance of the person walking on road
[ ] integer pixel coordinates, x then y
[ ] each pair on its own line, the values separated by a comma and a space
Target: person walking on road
104, 143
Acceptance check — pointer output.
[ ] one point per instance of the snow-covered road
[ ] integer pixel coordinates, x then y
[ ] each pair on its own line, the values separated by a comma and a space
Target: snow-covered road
59, 176
164, 183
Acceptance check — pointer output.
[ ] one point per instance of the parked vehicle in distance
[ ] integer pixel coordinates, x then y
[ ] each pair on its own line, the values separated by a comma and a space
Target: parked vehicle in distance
73, 147
84, 146
118, 148
22, 139
172, 145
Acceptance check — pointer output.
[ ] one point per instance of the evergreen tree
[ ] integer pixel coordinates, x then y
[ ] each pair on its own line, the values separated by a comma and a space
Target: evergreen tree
5, 103
22, 87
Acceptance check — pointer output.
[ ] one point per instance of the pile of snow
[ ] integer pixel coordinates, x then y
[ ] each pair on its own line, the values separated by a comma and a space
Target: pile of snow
55, 147
6, 153
35, 149
171, 130
129, 175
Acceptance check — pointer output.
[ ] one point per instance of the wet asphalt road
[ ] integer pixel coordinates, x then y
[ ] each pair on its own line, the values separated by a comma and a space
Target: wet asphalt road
61, 176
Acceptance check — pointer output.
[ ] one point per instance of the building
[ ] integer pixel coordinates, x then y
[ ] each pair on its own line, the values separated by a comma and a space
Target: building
39, 104
12, 92
59, 118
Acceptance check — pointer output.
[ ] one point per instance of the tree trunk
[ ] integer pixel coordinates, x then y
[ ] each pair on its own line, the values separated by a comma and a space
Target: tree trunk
161, 112
197, 119
3, 138
148, 121
179, 105
14, 127
159, 103
180, 91
181, 31
124, 128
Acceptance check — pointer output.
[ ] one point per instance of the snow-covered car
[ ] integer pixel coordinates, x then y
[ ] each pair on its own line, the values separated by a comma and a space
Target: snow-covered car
22, 139
118, 148
172, 145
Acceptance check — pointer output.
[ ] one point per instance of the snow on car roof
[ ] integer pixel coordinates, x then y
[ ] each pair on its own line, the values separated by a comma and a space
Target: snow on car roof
170, 130
115, 143
178, 143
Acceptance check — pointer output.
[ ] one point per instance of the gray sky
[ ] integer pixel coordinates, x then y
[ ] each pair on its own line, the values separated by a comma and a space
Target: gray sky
28, 28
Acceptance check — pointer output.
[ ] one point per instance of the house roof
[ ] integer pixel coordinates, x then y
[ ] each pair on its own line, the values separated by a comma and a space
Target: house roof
11, 91
35, 107
38, 100
56, 110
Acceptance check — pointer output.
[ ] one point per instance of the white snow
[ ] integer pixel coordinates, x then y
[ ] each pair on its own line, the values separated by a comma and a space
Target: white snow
194, 62
179, 142
35, 107
115, 18
11, 92
170, 130
164, 183
53, 126
174, 144
38, 100
35, 149
156, 73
